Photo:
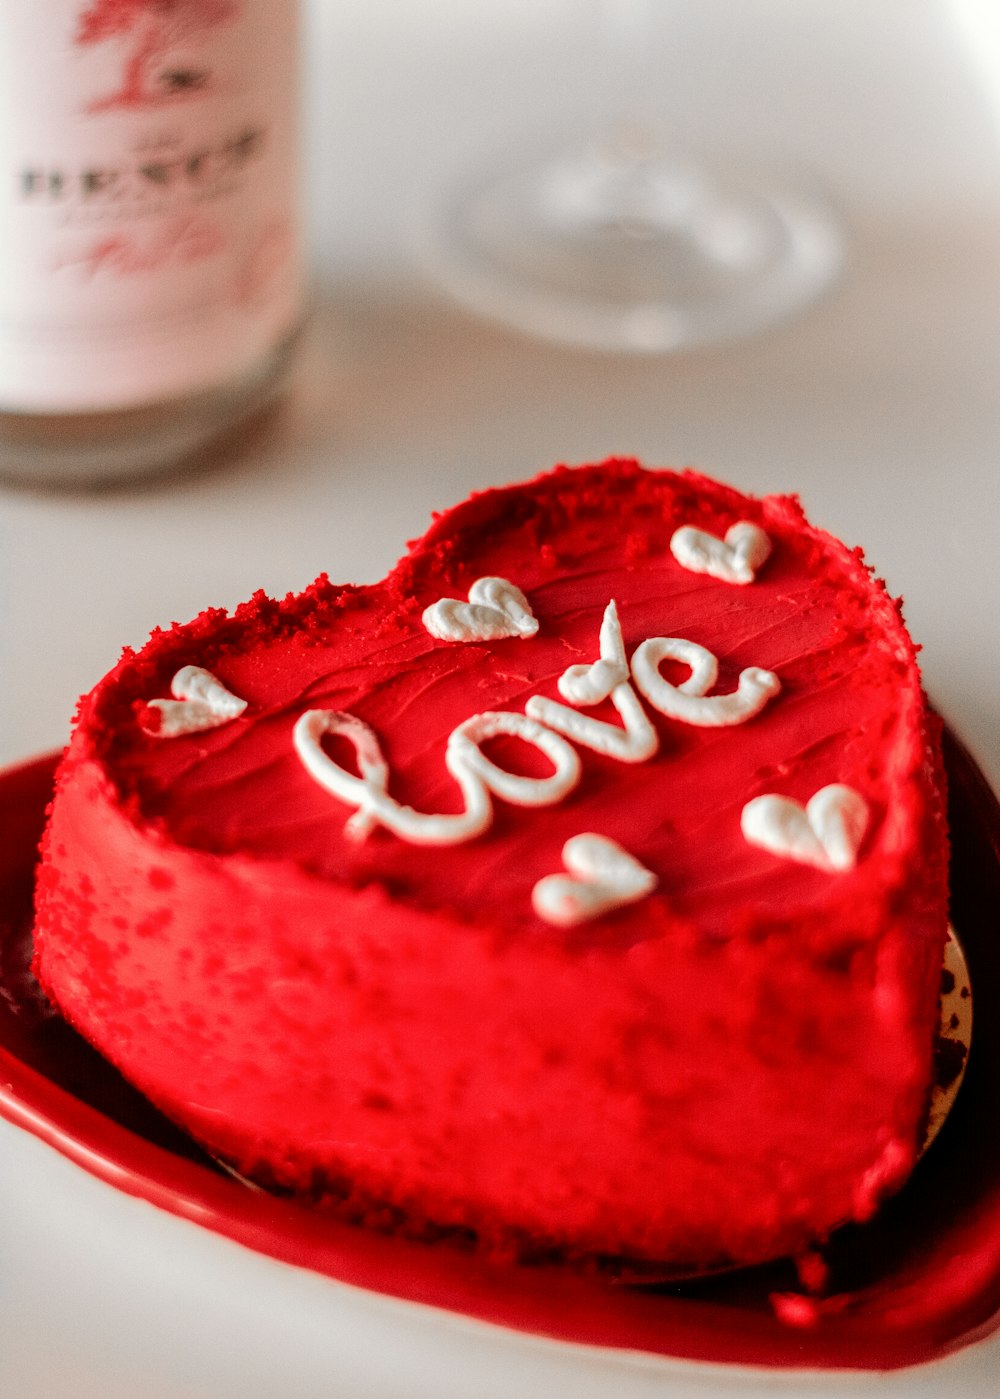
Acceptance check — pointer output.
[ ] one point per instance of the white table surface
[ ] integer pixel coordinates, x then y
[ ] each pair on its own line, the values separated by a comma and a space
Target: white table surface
881, 408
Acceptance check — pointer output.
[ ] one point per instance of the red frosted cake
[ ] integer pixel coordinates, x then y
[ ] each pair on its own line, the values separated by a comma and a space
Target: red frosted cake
581, 887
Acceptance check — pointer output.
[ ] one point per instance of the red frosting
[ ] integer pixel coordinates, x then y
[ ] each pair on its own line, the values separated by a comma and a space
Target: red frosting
722, 1072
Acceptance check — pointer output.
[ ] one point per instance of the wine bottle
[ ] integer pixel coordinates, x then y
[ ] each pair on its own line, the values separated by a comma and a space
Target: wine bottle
150, 241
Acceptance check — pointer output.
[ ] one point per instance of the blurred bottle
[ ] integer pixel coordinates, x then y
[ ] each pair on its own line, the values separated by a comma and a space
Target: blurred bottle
150, 257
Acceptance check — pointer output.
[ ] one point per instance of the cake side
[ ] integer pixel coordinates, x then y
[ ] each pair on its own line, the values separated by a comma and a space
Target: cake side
721, 1072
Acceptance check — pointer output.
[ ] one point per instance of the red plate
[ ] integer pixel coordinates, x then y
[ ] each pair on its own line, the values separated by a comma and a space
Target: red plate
918, 1282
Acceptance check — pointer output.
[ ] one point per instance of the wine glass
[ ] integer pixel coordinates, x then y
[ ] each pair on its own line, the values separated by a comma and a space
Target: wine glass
620, 244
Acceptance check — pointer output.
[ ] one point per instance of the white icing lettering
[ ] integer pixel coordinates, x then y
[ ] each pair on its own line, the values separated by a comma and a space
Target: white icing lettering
607, 677
369, 791
734, 559
465, 754
590, 684
601, 876
495, 609
476, 775
200, 702
827, 832
690, 701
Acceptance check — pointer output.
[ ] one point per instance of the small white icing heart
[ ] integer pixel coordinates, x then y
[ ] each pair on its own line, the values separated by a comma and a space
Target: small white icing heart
602, 876
827, 832
734, 559
200, 702
495, 609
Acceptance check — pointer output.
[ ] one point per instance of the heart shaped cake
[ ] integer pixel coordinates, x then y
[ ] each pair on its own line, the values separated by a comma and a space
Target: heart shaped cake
580, 888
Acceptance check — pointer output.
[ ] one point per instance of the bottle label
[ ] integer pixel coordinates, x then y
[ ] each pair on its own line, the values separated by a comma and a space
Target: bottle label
149, 231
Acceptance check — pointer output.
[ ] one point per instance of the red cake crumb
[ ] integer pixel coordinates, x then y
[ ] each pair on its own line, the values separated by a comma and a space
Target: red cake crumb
795, 1310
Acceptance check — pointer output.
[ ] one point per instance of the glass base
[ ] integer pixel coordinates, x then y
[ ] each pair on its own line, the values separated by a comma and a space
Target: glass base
115, 446
620, 248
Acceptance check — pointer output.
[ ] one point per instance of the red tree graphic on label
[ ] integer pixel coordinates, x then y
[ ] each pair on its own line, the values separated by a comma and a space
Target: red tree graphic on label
150, 31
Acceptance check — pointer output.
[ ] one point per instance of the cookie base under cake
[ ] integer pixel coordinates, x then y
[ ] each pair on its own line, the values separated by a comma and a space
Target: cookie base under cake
721, 1071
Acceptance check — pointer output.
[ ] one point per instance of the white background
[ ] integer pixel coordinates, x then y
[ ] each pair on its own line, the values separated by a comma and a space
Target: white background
881, 407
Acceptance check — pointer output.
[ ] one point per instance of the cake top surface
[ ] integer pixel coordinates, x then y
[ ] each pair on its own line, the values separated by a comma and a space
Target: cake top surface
849, 711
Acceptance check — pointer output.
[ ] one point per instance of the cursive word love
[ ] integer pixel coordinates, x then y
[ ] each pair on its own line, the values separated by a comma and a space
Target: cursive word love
546, 724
